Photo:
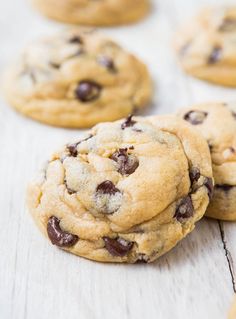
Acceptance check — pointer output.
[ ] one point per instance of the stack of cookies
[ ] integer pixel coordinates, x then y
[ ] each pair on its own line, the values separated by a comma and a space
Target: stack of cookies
129, 190
126, 192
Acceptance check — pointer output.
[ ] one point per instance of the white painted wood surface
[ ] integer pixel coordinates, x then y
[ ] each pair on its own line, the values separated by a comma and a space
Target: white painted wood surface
38, 281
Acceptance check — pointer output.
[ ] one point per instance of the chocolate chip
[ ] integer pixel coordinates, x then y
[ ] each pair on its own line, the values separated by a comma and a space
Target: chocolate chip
194, 174
127, 164
87, 91
195, 117
76, 39
107, 63
228, 25
209, 185
118, 246
224, 187
108, 199
107, 187
210, 146
58, 236
184, 209
70, 191
72, 148
234, 114
142, 259
128, 122
54, 65
215, 55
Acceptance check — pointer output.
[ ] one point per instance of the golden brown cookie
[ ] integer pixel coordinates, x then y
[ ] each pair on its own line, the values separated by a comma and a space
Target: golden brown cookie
97, 13
206, 46
129, 191
77, 78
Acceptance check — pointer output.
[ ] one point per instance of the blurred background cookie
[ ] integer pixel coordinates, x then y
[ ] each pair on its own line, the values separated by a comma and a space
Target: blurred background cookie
206, 46
97, 13
77, 78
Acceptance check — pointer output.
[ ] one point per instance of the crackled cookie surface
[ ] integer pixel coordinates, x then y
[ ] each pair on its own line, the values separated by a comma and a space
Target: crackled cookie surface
77, 78
206, 46
90, 12
217, 123
126, 192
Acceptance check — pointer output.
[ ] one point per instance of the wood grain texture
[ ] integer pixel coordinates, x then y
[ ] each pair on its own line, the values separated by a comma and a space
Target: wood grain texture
39, 281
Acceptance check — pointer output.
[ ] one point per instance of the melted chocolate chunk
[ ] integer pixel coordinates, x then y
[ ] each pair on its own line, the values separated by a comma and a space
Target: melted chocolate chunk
87, 91
70, 191
127, 164
107, 187
76, 39
195, 117
215, 55
184, 209
107, 63
117, 247
108, 198
194, 174
224, 187
72, 148
128, 122
58, 236
209, 185
228, 25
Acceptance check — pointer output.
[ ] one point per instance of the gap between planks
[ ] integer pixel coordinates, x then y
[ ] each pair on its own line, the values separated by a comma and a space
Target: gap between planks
228, 254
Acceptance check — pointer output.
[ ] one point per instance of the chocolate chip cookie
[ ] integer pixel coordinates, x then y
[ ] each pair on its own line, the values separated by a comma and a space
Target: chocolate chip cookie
217, 123
77, 78
99, 13
206, 46
128, 191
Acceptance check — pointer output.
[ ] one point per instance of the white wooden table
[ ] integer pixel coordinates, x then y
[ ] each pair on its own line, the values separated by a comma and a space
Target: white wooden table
38, 281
